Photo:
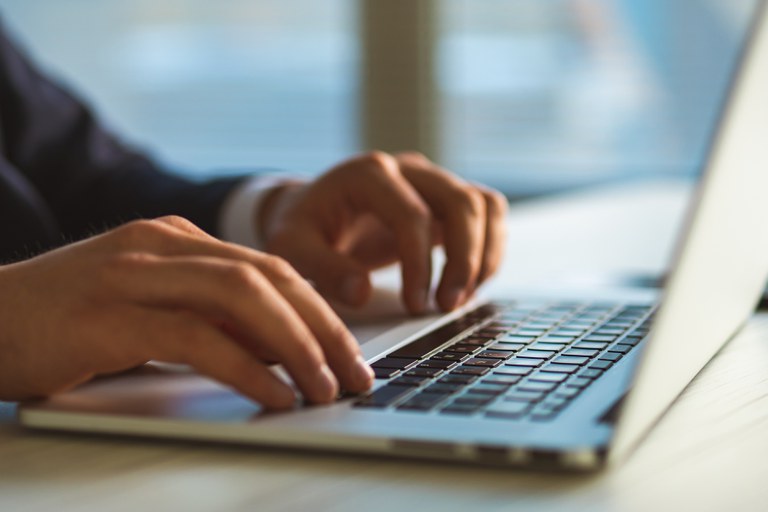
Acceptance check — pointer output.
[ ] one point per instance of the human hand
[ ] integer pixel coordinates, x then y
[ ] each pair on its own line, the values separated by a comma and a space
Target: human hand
164, 290
377, 209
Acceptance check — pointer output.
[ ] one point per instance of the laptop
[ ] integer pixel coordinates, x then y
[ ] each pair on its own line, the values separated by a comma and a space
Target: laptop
540, 381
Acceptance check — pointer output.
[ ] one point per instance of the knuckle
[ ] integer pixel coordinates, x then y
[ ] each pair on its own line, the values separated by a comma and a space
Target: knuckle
114, 269
179, 222
414, 157
496, 201
379, 162
240, 276
468, 201
278, 269
137, 233
418, 215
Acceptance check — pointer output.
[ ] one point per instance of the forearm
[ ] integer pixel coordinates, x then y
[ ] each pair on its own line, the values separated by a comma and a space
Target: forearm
86, 176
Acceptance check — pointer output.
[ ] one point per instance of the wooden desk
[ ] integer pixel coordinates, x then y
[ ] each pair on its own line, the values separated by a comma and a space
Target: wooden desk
710, 452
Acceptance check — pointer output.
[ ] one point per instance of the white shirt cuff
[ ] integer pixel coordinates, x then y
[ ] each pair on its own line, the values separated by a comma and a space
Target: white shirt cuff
238, 223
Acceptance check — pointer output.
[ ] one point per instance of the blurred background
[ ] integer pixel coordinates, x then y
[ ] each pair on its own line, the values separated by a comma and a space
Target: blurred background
530, 96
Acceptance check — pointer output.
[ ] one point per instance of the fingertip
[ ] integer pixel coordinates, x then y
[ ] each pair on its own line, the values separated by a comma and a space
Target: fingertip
355, 290
281, 397
416, 301
325, 388
363, 375
451, 298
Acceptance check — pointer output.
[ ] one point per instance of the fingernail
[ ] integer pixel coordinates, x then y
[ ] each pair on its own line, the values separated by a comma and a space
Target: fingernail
419, 302
285, 396
423, 297
363, 373
328, 386
352, 289
455, 297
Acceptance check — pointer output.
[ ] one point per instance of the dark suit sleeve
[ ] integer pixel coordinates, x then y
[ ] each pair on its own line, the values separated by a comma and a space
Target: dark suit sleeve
88, 179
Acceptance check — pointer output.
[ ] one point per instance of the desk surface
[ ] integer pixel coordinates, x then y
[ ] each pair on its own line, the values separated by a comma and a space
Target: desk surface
710, 452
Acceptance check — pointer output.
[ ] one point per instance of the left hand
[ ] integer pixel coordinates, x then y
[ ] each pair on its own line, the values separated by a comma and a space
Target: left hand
377, 209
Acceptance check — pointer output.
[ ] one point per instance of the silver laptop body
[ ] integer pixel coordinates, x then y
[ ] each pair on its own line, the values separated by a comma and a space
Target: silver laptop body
719, 270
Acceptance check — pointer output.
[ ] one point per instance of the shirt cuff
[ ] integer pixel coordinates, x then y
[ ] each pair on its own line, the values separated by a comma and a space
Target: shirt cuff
238, 223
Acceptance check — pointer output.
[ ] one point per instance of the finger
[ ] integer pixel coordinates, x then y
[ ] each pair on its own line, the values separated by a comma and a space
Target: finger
495, 233
335, 274
239, 293
462, 210
341, 350
339, 346
378, 187
175, 337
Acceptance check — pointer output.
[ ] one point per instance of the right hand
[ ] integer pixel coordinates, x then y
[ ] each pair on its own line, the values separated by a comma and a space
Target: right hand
164, 290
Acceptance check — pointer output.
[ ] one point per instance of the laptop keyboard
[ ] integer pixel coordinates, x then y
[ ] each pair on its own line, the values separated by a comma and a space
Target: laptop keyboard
509, 360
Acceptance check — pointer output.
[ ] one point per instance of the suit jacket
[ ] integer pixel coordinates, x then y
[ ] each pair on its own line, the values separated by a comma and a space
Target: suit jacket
63, 176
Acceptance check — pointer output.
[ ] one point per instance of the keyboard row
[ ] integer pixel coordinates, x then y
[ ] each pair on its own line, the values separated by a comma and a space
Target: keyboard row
503, 369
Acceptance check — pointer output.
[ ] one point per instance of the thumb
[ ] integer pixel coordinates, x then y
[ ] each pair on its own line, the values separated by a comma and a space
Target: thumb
335, 275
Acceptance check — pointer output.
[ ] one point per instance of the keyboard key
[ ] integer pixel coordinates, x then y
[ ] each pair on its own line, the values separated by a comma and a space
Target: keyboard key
579, 383
600, 339
478, 342
522, 361
532, 333
490, 354
457, 379
533, 385
581, 352
422, 402
537, 354
385, 373
487, 389
442, 388
383, 396
632, 340
513, 370
485, 363
619, 324
458, 348
408, 381
476, 371
424, 372
502, 325
508, 347
571, 360
601, 365
524, 396
549, 377
621, 348
474, 399
568, 392
489, 333
516, 338
442, 365
508, 410
448, 356
460, 409
591, 373
611, 356
504, 380
608, 332
560, 368
547, 346
591, 345
546, 415
394, 362
566, 333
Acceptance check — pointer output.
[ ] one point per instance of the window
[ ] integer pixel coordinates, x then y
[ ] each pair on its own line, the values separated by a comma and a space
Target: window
526, 95
209, 85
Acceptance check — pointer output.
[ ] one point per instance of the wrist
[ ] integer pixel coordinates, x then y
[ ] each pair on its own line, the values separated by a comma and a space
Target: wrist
268, 212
